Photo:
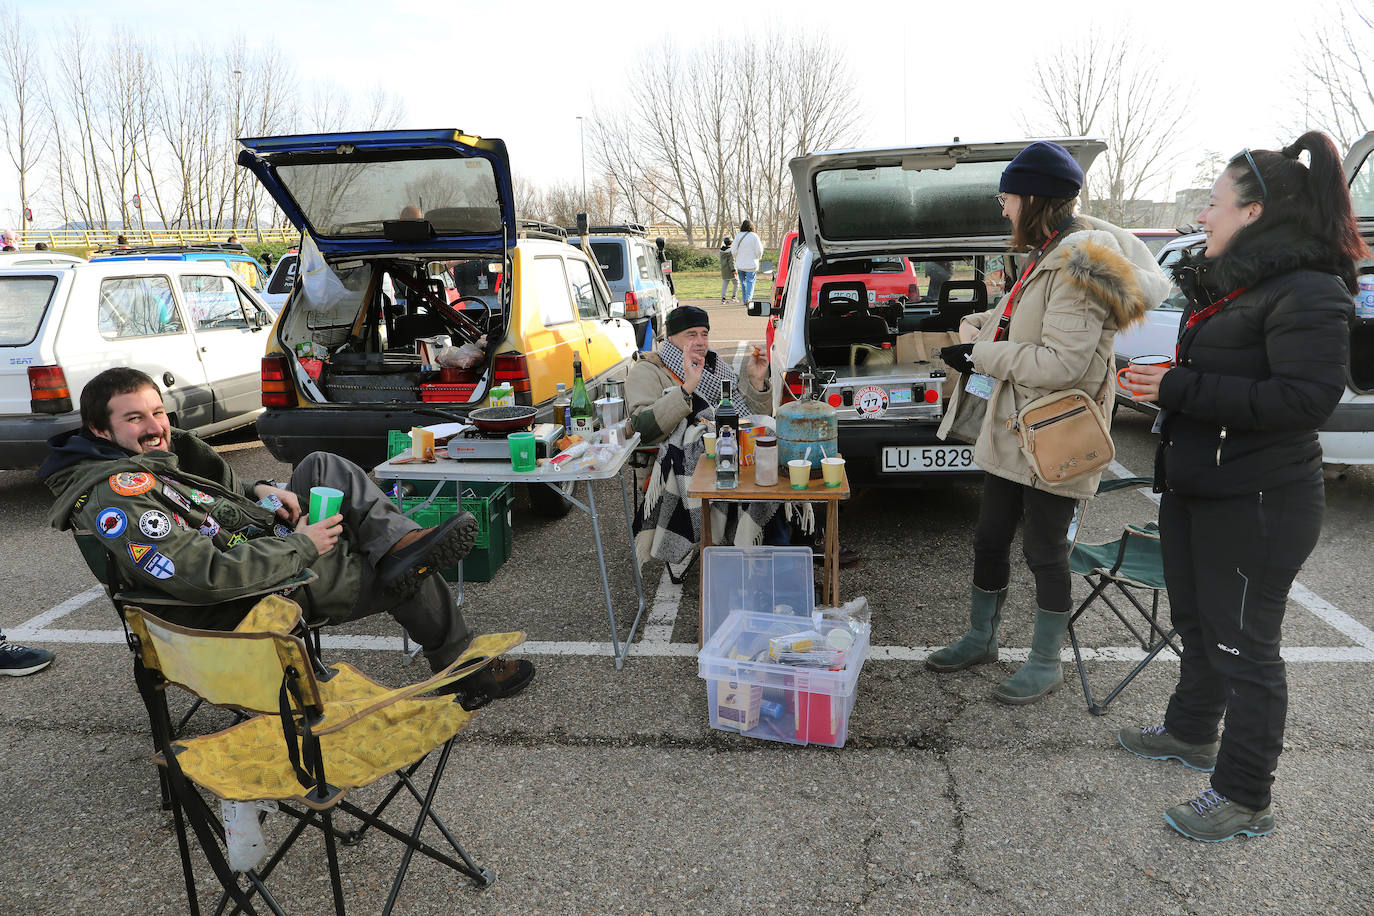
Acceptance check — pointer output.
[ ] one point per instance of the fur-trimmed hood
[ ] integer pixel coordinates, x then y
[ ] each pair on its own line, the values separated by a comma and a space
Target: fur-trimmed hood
1096, 260
1255, 255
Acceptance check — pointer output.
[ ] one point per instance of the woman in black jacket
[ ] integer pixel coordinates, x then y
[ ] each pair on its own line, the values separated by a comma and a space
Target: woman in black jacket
1260, 365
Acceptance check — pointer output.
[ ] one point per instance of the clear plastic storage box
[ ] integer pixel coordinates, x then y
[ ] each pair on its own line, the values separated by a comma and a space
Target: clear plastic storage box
752, 595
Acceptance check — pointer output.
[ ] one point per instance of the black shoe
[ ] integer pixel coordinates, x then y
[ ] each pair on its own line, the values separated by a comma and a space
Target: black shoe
500, 679
402, 571
848, 558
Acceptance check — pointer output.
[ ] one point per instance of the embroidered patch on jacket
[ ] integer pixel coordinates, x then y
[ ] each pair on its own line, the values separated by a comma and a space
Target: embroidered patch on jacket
159, 565
155, 524
80, 501
230, 515
180, 522
204, 499
111, 522
280, 531
210, 528
237, 539
176, 497
139, 551
127, 483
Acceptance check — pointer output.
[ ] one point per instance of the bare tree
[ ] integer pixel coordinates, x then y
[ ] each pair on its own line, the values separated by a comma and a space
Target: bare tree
1107, 85
708, 133
1338, 96
25, 129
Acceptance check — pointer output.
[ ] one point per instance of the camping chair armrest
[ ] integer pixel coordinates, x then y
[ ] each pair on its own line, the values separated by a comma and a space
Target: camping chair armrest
140, 596
483, 649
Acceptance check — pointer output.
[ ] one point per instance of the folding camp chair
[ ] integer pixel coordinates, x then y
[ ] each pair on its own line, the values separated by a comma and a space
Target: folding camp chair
310, 741
1128, 564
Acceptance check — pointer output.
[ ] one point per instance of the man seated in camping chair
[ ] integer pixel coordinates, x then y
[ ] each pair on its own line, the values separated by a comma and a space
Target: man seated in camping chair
174, 516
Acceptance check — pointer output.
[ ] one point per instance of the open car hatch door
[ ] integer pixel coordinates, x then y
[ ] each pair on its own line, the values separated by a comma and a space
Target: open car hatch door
910, 200
387, 192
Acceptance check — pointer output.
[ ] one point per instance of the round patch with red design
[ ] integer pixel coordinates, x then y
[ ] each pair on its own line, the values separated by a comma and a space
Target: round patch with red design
127, 483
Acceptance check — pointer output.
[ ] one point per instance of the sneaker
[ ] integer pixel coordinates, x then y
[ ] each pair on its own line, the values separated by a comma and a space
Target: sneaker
1154, 743
1214, 818
17, 660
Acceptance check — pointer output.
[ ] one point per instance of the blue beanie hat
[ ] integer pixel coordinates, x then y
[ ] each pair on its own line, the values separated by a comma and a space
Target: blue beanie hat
1043, 170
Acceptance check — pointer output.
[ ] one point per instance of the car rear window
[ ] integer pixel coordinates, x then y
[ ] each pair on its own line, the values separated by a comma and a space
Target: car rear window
611, 257
345, 199
23, 302
889, 202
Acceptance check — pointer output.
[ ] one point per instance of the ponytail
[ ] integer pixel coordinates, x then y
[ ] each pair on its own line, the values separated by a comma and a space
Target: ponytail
1313, 198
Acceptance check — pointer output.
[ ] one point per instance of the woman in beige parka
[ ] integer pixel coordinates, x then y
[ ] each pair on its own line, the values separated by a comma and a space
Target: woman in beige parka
1082, 281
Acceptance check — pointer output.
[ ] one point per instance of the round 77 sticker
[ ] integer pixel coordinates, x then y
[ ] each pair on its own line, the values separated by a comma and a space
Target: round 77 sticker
871, 401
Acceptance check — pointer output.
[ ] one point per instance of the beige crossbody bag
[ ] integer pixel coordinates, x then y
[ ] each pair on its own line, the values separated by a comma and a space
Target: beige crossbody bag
1064, 435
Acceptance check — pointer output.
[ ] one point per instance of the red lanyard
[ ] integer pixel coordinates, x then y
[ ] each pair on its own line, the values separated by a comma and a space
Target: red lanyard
1005, 321
1204, 314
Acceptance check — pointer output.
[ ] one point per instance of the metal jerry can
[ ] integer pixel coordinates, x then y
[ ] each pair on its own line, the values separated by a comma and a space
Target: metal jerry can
807, 423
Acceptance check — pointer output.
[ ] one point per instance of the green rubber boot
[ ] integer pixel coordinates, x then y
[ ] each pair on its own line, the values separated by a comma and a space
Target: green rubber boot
979, 645
1042, 673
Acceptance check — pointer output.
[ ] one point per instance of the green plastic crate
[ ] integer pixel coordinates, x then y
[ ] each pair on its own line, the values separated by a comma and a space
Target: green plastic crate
489, 503
397, 441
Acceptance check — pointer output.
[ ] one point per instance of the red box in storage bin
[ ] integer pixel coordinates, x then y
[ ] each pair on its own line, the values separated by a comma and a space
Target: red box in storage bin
439, 392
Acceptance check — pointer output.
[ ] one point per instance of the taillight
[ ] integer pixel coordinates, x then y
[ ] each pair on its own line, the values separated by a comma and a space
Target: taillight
631, 304
48, 390
913, 292
278, 388
512, 369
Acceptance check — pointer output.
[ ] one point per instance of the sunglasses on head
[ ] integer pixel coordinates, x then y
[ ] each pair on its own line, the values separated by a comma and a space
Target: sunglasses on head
1264, 189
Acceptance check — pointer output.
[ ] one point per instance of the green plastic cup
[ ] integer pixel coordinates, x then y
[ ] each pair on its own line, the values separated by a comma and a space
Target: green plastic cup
522, 451
324, 502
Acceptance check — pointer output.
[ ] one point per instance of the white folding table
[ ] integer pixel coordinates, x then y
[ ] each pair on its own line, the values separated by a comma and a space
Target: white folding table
443, 470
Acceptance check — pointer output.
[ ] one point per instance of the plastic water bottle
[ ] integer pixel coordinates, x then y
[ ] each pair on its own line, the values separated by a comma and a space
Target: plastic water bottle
1364, 302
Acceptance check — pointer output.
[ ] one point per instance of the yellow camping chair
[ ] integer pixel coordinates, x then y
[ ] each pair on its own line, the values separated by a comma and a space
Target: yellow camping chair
310, 740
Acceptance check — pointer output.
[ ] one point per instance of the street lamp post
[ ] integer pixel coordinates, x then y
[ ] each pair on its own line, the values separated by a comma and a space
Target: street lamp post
582, 141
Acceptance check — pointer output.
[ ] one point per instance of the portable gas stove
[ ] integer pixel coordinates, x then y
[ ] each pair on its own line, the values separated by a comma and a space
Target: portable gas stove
471, 443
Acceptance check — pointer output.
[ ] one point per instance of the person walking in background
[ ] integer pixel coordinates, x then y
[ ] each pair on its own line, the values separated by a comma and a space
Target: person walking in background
747, 250
1085, 280
727, 271
1261, 363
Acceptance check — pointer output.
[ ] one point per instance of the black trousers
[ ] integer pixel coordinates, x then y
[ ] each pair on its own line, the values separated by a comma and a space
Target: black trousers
1229, 564
1044, 542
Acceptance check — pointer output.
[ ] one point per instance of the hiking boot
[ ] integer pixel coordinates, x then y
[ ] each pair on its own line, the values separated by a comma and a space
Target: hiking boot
978, 645
501, 678
17, 660
1153, 742
425, 552
1214, 818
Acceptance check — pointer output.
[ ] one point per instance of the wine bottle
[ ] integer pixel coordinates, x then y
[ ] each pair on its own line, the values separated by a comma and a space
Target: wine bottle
726, 415
727, 460
581, 410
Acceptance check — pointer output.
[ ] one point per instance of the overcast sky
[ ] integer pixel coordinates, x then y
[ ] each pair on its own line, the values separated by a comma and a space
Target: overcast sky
524, 70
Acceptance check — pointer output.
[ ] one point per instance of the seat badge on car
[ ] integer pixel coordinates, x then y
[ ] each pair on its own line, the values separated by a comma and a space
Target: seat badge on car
871, 401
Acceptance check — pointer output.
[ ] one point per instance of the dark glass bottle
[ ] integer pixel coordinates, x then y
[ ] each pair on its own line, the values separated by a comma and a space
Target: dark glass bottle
581, 410
726, 415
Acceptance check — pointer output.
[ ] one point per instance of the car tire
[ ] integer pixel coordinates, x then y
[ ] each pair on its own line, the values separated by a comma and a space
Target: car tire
545, 503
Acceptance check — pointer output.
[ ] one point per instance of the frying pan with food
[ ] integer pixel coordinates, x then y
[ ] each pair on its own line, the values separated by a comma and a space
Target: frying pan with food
502, 419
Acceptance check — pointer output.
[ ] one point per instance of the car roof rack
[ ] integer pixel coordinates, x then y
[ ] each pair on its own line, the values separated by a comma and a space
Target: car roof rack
537, 229
172, 249
615, 229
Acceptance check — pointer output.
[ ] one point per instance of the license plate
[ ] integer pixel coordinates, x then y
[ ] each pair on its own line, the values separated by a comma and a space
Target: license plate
920, 459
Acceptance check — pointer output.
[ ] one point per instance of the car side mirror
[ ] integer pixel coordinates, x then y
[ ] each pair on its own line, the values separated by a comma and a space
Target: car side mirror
757, 308
617, 309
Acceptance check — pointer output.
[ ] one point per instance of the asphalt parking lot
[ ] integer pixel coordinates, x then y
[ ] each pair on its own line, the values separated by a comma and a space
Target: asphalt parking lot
605, 790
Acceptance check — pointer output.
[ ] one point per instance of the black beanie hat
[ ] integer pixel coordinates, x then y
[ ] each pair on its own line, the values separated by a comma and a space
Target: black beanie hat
1043, 170
687, 316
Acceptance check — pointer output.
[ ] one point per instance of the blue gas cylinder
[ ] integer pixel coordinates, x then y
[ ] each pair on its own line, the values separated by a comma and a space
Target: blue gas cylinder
807, 423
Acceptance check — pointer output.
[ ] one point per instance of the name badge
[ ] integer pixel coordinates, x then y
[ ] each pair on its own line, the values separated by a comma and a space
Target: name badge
979, 385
